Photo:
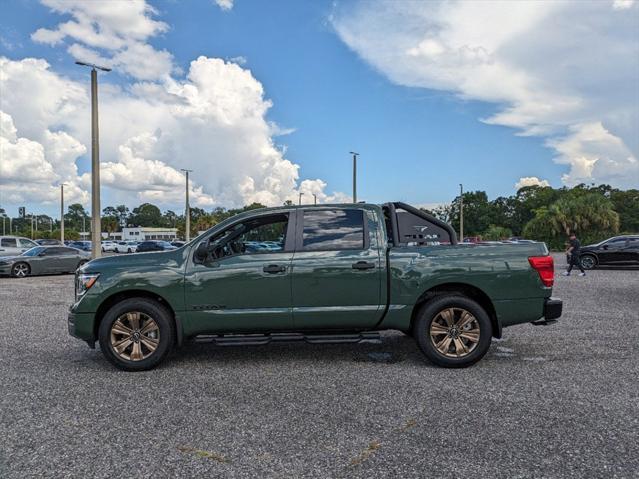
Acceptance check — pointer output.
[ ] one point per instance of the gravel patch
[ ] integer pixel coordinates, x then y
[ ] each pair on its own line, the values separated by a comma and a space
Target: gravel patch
546, 402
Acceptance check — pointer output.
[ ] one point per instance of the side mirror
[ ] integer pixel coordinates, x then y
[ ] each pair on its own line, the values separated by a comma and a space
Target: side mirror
42, 253
605, 246
201, 252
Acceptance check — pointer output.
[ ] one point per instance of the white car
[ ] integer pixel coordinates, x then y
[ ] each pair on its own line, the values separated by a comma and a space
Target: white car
109, 246
126, 247
15, 245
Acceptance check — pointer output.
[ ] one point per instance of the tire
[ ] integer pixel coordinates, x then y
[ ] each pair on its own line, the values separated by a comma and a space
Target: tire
128, 250
124, 313
20, 270
437, 325
588, 261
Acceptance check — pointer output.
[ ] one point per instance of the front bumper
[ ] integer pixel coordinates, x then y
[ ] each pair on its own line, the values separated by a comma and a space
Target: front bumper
553, 308
81, 326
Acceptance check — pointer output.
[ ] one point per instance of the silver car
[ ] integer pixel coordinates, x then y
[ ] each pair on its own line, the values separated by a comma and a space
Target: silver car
44, 260
15, 245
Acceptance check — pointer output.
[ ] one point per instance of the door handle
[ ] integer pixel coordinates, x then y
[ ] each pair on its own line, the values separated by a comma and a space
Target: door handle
274, 268
363, 265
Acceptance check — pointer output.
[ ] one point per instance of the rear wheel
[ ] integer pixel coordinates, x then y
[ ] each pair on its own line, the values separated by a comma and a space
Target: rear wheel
20, 270
453, 331
136, 334
588, 261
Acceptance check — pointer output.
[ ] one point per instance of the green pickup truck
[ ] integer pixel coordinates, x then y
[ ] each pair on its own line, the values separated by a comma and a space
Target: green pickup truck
326, 273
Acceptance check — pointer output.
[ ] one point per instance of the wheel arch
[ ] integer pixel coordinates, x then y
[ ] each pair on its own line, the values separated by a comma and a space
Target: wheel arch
590, 253
464, 289
137, 293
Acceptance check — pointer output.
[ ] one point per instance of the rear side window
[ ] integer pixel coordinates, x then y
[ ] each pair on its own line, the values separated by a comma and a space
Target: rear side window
9, 242
333, 230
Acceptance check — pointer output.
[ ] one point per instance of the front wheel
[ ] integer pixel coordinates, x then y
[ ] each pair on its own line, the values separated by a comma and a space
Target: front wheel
588, 261
453, 331
20, 270
136, 334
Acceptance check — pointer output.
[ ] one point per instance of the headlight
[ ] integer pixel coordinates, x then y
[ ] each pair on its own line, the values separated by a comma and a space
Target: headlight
84, 282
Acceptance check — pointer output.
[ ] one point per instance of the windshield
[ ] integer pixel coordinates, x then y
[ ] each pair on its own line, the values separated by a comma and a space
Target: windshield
33, 251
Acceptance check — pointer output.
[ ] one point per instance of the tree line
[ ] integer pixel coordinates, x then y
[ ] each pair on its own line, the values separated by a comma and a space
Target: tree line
535, 212
547, 214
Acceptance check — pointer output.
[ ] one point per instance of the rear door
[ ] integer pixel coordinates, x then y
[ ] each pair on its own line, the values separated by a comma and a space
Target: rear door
336, 269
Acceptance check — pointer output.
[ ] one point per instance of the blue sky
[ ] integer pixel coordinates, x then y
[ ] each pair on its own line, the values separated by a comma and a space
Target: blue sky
320, 64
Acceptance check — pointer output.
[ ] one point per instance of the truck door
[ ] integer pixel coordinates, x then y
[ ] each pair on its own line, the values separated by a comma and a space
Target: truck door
245, 283
336, 269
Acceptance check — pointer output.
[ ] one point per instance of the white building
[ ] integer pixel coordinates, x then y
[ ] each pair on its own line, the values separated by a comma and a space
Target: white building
141, 233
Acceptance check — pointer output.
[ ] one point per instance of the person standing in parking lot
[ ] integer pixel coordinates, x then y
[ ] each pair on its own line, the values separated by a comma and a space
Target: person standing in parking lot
573, 253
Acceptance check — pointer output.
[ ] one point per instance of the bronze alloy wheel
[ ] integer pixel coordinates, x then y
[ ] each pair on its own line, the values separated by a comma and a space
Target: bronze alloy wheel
454, 332
134, 336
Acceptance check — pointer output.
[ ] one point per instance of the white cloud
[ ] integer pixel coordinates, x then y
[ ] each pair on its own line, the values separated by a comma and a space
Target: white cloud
112, 34
622, 4
530, 181
565, 71
225, 5
213, 122
30, 171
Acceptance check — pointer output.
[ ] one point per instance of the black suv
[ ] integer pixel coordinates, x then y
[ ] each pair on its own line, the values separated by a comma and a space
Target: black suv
619, 250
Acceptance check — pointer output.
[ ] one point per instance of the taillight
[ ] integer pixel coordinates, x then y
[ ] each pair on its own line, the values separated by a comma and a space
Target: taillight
545, 266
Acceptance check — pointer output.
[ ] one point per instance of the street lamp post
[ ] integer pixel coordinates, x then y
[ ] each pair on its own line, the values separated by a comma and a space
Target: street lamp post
187, 209
96, 246
355, 155
461, 213
300, 198
62, 213
314, 199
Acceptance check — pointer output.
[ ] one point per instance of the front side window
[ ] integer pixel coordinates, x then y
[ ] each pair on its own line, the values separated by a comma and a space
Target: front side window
331, 230
265, 234
25, 243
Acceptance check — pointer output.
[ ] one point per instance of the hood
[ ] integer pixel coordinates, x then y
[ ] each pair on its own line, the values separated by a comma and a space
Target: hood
11, 259
134, 260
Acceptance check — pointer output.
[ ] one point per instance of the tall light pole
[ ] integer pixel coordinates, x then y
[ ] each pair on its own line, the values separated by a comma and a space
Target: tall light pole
314, 199
461, 213
62, 213
187, 212
355, 155
299, 202
96, 246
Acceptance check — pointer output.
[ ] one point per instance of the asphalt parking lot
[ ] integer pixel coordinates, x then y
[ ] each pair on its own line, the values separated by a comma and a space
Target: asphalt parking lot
556, 401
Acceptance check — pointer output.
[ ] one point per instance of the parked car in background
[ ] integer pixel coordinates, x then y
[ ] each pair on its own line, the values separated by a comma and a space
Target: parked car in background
154, 245
15, 245
472, 239
126, 246
82, 245
619, 250
43, 260
48, 242
108, 246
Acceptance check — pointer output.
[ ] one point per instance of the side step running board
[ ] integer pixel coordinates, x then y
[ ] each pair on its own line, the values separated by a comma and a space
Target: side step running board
543, 322
260, 339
